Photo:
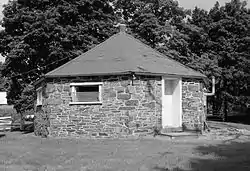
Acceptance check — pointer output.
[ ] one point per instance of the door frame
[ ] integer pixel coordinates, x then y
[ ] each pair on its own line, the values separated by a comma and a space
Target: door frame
163, 94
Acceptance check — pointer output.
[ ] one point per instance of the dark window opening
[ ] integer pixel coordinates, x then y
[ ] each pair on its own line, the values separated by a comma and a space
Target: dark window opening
87, 94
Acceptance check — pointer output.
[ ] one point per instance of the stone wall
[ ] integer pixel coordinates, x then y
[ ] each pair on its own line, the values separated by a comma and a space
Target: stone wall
192, 104
128, 107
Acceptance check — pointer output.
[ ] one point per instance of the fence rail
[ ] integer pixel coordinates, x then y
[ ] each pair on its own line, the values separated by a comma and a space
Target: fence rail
5, 123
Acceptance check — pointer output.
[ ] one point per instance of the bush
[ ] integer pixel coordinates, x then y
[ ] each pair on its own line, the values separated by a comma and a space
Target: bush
157, 130
41, 123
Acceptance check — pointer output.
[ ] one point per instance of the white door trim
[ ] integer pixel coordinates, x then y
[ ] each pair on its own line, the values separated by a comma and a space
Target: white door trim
181, 111
162, 99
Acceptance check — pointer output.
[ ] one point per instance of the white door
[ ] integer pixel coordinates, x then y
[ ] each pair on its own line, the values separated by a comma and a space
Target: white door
172, 102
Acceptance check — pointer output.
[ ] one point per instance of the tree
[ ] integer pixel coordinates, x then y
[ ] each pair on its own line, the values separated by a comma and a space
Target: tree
2, 79
151, 20
228, 29
39, 36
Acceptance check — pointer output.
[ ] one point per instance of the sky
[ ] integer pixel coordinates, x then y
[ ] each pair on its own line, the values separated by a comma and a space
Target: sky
189, 4
205, 4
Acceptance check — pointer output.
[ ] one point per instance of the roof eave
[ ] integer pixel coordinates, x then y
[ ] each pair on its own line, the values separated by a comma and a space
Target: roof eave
172, 75
39, 81
126, 73
86, 75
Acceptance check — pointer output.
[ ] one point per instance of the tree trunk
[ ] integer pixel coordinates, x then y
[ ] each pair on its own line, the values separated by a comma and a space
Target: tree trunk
22, 122
214, 110
225, 110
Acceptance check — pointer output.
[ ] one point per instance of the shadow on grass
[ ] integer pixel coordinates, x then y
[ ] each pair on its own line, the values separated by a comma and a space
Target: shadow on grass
164, 169
243, 119
2, 135
229, 157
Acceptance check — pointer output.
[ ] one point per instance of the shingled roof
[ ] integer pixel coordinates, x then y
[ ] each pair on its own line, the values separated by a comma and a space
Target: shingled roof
123, 54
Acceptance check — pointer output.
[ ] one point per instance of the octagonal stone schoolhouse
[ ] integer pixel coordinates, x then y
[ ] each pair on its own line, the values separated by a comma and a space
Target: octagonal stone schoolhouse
120, 87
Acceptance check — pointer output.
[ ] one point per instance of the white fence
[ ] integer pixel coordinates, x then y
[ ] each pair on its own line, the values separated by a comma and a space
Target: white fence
5, 123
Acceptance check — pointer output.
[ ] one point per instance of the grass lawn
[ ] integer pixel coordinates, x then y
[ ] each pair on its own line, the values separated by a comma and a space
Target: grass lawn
19, 152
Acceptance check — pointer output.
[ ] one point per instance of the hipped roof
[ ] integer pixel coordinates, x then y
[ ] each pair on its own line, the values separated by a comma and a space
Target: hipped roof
123, 54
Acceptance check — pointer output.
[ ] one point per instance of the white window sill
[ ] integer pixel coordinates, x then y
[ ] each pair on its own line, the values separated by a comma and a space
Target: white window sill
85, 103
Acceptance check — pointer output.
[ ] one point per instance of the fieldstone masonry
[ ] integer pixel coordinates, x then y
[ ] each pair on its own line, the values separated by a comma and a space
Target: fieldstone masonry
128, 107
193, 111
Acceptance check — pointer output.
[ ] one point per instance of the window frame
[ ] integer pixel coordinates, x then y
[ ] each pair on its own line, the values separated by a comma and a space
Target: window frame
39, 96
73, 91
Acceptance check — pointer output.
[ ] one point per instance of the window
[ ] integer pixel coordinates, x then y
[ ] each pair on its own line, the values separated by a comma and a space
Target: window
170, 86
39, 96
86, 93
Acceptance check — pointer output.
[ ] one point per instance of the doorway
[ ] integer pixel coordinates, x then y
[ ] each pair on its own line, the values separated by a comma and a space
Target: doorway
172, 102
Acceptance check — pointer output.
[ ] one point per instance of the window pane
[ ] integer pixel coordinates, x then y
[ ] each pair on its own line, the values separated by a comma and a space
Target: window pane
170, 86
87, 93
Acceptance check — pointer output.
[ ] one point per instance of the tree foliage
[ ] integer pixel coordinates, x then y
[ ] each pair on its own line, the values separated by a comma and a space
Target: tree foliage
48, 33
3, 80
228, 29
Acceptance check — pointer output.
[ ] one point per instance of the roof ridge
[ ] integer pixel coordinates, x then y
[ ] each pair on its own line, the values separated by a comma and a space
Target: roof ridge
80, 56
161, 54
